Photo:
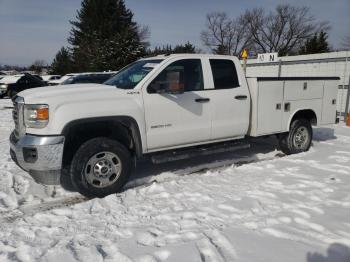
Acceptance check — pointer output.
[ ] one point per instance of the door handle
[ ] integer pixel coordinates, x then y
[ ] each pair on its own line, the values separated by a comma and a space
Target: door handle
202, 100
286, 107
241, 97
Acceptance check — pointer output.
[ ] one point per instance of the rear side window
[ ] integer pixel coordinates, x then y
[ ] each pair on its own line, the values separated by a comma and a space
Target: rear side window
224, 73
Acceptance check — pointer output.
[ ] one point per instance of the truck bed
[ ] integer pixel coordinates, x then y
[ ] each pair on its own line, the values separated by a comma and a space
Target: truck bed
275, 100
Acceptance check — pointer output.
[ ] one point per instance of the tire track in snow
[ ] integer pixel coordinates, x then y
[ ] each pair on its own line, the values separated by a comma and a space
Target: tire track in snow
201, 169
27, 210
222, 245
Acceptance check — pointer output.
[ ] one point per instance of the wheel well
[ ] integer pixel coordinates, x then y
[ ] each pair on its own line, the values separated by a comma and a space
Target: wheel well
307, 114
123, 129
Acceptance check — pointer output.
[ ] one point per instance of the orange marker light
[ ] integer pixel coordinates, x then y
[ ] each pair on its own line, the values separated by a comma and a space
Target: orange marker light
42, 114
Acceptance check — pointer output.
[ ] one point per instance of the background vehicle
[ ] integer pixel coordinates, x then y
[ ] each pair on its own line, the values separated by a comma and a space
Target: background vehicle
166, 108
47, 78
60, 80
97, 78
79, 78
11, 85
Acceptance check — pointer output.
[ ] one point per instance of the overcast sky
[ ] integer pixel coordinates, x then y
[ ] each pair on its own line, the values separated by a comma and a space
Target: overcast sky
36, 29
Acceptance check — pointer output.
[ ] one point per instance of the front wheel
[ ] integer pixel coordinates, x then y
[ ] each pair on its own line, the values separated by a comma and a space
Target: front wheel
298, 139
100, 167
11, 93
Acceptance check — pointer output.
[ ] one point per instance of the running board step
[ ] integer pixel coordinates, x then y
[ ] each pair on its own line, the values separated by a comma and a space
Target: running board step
181, 154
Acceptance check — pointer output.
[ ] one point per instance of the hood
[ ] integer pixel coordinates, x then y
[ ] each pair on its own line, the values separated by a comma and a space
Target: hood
70, 93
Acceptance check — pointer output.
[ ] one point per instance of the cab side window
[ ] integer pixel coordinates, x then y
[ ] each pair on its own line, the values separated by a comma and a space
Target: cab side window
187, 74
224, 73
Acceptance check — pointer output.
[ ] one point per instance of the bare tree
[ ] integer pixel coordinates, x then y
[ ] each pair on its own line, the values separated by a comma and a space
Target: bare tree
283, 30
346, 43
38, 66
224, 35
144, 34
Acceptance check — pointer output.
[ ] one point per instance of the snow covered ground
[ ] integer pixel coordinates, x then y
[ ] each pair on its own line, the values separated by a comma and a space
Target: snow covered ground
252, 205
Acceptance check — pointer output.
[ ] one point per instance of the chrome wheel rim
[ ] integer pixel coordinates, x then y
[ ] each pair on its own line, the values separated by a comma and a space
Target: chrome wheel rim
301, 138
103, 169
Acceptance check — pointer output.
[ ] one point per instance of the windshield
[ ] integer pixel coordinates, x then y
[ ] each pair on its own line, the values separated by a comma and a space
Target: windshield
130, 76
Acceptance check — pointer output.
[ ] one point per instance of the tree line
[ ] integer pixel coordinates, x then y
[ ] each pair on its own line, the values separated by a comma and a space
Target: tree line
105, 36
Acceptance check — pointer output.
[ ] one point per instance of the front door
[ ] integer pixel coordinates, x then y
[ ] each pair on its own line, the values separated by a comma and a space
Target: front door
172, 119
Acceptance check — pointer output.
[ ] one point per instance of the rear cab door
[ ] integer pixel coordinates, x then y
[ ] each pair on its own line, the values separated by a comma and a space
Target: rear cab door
229, 98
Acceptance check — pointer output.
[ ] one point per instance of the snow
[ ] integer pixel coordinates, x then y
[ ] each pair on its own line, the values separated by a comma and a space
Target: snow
10, 79
252, 205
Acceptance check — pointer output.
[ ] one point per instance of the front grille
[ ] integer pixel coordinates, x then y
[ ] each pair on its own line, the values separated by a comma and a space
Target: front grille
17, 115
15, 119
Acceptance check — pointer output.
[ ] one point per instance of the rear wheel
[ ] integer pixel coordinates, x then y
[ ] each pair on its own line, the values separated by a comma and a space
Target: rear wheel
298, 139
100, 167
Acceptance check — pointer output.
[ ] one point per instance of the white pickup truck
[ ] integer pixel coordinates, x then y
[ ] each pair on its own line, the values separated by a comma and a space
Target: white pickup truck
165, 107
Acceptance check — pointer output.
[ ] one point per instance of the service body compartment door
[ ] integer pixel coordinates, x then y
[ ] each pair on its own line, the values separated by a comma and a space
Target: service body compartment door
270, 99
329, 103
303, 90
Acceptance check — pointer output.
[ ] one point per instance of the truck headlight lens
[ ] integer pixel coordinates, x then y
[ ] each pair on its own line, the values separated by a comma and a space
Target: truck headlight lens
36, 116
3, 86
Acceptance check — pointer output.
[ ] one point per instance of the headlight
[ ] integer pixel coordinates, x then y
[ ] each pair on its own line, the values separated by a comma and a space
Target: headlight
3, 86
36, 116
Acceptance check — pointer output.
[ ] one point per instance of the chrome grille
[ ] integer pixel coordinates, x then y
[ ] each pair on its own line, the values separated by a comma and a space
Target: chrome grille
17, 115
15, 119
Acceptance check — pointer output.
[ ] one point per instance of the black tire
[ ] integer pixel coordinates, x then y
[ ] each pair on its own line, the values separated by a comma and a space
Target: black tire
291, 143
82, 172
66, 181
11, 93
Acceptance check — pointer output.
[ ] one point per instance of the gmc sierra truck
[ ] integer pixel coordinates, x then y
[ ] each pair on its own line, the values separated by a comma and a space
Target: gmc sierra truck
164, 107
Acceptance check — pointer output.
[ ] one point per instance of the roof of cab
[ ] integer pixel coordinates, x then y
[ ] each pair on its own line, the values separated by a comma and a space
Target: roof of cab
188, 55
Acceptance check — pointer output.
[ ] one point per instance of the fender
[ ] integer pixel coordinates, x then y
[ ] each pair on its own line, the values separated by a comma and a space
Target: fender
306, 113
127, 121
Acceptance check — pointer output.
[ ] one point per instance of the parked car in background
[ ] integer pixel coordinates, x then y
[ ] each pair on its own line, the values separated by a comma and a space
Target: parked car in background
60, 80
11, 85
85, 78
47, 78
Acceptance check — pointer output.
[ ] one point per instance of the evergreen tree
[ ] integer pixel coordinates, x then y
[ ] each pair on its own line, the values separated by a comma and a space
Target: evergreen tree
62, 63
316, 44
221, 50
188, 48
104, 36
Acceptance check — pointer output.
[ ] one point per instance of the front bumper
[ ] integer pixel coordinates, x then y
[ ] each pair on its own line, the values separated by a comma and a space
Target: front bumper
41, 156
3, 91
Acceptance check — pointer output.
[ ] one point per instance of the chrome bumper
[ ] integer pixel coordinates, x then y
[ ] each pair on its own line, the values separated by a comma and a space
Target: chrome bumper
41, 156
